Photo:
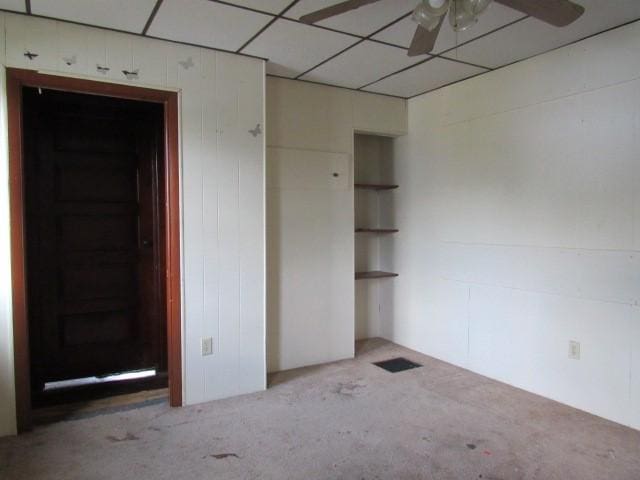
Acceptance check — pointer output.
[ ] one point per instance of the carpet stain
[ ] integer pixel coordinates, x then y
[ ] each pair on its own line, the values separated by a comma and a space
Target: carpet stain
219, 456
609, 454
348, 389
471, 446
129, 436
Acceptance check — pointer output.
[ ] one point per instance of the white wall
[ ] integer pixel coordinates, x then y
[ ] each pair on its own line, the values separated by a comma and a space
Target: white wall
310, 219
223, 244
519, 218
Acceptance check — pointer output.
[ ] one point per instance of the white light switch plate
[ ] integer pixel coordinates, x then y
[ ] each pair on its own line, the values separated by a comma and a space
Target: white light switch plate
207, 346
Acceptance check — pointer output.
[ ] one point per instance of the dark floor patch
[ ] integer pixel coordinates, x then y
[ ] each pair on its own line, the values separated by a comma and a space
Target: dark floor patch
70, 415
126, 438
398, 364
348, 389
471, 446
219, 456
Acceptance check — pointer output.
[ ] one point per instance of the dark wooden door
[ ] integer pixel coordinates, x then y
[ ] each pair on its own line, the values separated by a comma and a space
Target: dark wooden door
93, 171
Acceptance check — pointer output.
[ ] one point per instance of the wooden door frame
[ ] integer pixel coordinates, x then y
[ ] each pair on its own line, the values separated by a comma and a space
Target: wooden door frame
18, 78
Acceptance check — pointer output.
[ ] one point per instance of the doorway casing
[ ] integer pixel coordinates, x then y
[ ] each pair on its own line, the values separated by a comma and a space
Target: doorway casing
16, 80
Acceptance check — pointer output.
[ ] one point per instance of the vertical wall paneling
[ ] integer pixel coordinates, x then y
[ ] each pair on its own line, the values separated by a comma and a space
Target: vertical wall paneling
310, 221
228, 202
210, 182
31, 35
222, 190
251, 177
150, 61
519, 220
379, 114
310, 256
96, 48
190, 82
119, 55
72, 55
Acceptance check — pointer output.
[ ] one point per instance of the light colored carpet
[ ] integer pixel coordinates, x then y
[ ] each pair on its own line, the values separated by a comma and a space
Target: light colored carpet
345, 420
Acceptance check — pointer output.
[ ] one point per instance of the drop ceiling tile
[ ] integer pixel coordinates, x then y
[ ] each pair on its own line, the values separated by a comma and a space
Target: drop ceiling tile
13, 5
362, 21
271, 6
531, 37
429, 75
362, 64
206, 23
496, 16
293, 48
119, 14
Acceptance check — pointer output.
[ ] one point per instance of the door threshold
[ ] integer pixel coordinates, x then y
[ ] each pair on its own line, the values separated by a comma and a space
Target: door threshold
98, 390
102, 406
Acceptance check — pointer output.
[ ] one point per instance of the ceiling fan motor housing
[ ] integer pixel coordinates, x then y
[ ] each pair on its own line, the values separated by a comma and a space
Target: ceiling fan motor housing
430, 15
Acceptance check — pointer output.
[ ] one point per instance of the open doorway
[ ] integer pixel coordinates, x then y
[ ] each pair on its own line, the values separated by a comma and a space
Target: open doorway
93, 167
95, 240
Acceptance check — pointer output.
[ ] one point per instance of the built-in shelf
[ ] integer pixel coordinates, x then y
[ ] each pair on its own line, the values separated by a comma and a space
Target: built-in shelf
374, 274
376, 230
374, 186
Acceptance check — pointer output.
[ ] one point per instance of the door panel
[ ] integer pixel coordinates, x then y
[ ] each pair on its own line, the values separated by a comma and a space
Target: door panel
93, 167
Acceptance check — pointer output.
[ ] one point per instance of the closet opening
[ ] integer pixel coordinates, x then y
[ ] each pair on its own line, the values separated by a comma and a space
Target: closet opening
375, 229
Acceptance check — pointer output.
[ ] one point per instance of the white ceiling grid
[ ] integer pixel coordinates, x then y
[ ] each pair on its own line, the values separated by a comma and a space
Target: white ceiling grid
13, 5
362, 49
107, 14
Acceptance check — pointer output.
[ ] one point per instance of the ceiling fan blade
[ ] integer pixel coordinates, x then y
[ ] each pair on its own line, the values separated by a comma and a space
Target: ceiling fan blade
559, 13
333, 10
424, 40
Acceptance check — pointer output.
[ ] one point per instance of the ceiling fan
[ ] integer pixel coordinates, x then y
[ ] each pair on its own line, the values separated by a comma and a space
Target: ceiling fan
429, 15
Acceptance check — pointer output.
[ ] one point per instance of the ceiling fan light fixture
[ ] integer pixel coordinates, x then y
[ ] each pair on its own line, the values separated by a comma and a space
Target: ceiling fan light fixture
475, 7
459, 17
429, 12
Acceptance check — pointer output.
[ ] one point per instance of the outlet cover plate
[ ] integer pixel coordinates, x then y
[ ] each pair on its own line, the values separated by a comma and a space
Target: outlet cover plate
574, 350
207, 346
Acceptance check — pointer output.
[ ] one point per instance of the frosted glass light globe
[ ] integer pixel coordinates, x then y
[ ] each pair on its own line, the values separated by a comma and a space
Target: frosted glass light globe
429, 12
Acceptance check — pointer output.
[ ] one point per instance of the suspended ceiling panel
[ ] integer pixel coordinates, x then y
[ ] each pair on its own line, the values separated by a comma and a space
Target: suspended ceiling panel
13, 5
294, 48
430, 75
361, 65
363, 21
120, 14
270, 6
358, 49
206, 23
495, 17
531, 37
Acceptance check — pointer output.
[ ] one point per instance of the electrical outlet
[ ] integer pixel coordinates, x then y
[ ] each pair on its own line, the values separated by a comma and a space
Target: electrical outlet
574, 350
207, 346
